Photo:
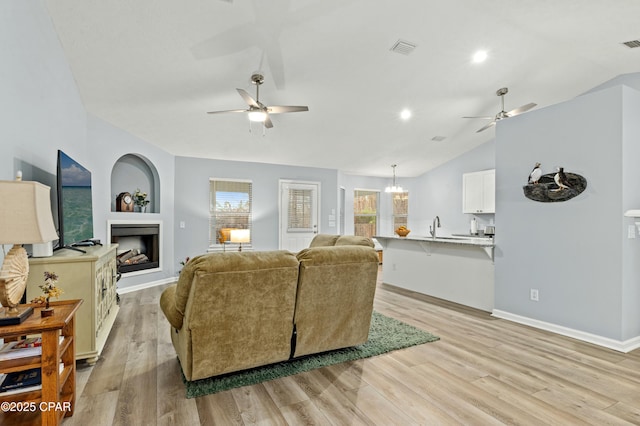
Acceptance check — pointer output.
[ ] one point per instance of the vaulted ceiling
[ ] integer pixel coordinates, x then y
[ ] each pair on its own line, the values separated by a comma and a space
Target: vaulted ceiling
155, 67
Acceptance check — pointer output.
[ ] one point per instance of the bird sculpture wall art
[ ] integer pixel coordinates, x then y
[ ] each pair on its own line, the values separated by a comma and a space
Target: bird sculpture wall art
535, 174
553, 187
561, 179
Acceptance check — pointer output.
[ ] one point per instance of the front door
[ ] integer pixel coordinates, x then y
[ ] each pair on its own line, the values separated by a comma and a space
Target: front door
299, 205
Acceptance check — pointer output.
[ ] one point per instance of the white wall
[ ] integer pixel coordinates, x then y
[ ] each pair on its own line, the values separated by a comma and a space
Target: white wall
39, 103
192, 200
42, 112
439, 193
575, 252
108, 144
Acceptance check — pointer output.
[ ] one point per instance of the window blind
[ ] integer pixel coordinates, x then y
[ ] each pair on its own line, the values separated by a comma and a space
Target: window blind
400, 209
230, 208
300, 215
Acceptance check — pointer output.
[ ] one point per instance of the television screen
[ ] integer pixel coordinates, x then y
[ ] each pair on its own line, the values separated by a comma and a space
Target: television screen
75, 211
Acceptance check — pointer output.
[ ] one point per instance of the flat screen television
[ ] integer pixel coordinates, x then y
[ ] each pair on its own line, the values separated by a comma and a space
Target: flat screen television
75, 210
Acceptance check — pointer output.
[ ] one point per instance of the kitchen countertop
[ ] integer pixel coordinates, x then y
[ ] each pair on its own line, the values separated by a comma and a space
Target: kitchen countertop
455, 268
460, 240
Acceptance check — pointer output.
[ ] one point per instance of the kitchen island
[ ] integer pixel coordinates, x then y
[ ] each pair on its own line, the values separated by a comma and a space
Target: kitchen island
457, 269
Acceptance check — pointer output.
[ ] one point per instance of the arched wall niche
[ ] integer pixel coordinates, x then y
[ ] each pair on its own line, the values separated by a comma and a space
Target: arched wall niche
135, 171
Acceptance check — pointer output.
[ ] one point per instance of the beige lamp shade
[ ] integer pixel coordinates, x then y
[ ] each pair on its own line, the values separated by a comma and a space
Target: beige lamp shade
25, 218
240, 236
25, 213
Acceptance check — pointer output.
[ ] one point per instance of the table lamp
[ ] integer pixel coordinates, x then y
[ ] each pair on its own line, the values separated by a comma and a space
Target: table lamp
240, 236
25, 218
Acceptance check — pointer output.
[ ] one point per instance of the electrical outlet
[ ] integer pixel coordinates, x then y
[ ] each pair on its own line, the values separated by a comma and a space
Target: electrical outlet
631, 231
533, 294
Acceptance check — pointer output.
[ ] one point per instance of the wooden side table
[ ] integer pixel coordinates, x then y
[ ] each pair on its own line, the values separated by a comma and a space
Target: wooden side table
57, 397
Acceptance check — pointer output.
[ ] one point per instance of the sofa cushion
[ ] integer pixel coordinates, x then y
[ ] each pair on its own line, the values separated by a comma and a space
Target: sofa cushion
220, 262
324, 240
336, 288
354, 240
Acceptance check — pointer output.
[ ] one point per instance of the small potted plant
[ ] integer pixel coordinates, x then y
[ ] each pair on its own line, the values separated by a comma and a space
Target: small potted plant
50, 290
183, 263
140, 200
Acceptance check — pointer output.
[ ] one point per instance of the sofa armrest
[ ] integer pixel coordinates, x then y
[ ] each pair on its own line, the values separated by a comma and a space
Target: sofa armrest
168, 306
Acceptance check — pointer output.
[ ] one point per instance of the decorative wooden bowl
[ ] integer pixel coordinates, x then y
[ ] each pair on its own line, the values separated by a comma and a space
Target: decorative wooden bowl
402, 232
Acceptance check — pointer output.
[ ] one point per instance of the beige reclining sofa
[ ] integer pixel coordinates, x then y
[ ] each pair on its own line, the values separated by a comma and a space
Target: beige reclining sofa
238, 310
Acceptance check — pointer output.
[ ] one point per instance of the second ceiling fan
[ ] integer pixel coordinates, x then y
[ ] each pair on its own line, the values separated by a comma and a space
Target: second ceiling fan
257, 110
503, 114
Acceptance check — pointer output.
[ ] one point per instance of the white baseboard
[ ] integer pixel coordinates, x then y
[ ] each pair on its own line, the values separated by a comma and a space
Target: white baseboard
137, 287
617, 345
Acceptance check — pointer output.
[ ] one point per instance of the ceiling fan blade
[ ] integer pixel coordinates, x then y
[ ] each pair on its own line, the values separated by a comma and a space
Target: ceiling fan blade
229, 110
493, 123
484, 117
523, 108
267, 122
248, 99
279, 109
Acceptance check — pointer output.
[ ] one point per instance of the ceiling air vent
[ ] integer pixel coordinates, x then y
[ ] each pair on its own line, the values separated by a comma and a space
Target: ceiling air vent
438, 138
404, 47
631, 44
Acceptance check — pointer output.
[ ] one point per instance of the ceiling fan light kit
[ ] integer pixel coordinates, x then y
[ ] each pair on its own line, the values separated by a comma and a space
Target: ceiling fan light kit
259, 112
257, 116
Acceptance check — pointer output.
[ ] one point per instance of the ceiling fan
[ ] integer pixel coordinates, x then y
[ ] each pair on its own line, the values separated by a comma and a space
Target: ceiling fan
503, 114
257, 110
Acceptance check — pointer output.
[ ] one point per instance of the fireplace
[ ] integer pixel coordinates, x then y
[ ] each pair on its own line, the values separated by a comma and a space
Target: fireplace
138, 245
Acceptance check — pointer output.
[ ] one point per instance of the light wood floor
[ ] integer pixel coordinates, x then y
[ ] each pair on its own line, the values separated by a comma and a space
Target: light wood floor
483, 371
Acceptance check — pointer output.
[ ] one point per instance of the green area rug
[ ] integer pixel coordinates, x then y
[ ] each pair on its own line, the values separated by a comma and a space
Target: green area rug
386, 335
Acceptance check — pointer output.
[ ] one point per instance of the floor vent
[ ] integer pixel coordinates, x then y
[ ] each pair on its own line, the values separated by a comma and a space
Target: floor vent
403, 47
631, 44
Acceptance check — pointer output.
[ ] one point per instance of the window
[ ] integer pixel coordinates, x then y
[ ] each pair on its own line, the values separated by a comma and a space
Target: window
365, 213
230, 208
400, 202
300, 210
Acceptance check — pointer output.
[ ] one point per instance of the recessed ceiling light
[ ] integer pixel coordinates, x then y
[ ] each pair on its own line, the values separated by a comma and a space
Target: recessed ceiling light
480, 56
405, 114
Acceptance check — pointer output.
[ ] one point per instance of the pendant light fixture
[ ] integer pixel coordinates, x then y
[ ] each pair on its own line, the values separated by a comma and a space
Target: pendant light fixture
394, 187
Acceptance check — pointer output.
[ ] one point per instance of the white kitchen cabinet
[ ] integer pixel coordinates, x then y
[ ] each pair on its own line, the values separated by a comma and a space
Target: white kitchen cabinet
479, 192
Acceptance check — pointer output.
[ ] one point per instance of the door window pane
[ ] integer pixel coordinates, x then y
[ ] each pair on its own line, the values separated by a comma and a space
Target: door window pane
365, 210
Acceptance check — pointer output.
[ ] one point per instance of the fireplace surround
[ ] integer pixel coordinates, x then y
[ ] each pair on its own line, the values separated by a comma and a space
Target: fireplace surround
139, 245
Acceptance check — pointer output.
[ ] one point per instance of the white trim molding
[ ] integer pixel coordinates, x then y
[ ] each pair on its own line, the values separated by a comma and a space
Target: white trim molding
137, 287
617, 345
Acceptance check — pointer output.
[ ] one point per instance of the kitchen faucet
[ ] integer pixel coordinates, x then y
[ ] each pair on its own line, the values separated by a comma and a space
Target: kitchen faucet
432, 229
